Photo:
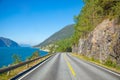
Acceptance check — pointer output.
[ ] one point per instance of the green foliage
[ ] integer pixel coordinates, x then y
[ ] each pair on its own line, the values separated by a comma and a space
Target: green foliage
93, 12
107, 64
52, 48
110, 63
16, 59
34, 55
92, 59
64, 33
4, 66
63, 45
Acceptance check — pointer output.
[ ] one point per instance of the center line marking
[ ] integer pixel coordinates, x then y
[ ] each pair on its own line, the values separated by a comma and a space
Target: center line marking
70, 67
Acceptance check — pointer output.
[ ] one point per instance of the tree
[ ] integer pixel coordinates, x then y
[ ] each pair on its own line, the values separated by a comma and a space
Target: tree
16, 59
64, 45
34, 55
93, 12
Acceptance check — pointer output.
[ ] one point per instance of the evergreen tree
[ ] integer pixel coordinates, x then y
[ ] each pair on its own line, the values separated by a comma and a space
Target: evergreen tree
16, 59
93, 12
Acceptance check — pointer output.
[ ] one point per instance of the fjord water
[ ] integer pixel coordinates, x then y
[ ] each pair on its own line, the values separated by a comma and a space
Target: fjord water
24, 52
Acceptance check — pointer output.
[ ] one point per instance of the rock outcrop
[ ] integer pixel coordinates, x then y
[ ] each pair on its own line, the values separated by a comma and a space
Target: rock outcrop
102, 42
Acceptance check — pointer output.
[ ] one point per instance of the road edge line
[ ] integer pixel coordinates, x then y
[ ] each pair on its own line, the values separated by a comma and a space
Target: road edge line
110, 71
33, 69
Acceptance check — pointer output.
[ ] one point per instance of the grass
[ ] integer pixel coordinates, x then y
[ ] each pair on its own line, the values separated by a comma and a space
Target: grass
12, 73
108, 64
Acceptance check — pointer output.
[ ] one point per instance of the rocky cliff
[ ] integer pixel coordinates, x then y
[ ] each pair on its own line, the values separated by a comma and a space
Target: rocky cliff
103, 42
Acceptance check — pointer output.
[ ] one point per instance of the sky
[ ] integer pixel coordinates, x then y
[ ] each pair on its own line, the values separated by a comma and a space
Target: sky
33, 21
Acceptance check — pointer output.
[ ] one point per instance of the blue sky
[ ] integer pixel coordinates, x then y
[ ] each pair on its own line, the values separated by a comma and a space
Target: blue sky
33, 21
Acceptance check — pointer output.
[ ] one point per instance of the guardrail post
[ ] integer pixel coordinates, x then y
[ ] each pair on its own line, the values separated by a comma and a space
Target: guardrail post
8, 73
35, 61
42, 59
27, 65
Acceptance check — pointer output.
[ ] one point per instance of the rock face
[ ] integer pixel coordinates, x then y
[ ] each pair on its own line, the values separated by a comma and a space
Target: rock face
4, 42
102, 42
75, 48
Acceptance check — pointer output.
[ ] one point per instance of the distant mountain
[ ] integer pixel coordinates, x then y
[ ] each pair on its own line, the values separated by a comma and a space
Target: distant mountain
25, 45
5, 42
64, 33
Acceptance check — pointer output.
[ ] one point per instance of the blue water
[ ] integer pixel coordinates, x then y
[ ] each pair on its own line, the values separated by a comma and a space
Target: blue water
24, 52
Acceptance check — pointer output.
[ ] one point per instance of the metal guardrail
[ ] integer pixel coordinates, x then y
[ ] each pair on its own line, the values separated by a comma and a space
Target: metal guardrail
3, 70
24, 72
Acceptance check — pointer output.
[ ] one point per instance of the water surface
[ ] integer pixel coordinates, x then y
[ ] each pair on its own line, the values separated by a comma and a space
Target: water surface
6, 54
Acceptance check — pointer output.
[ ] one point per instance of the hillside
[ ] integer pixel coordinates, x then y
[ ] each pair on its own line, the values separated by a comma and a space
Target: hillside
64, 33
5, 42
98, 36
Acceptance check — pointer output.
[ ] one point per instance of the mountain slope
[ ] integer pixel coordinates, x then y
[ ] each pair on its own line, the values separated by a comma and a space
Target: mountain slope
64, 33
5, 42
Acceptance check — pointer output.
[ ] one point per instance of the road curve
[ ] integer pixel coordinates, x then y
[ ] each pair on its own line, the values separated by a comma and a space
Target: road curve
63, 66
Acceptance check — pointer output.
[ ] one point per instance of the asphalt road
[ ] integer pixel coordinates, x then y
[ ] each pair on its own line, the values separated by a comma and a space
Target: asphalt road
63, 66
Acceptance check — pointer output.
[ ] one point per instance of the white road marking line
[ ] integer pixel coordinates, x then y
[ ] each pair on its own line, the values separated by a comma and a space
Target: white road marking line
103, 68
107, 70
32, 70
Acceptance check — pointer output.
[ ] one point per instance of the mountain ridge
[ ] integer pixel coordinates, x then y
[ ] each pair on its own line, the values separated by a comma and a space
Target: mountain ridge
64, 33
5, 42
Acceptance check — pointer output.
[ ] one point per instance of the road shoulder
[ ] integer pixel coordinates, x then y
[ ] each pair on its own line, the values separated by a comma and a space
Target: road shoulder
111, 70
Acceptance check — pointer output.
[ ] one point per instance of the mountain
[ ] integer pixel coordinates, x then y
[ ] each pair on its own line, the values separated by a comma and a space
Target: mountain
25, 45
5, 42
64, 33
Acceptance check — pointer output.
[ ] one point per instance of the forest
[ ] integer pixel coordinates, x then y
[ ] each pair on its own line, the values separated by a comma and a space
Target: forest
93, 12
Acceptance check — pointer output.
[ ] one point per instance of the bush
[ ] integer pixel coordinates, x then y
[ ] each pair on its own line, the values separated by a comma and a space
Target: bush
34, 55
16, 59
92, 59
110, 63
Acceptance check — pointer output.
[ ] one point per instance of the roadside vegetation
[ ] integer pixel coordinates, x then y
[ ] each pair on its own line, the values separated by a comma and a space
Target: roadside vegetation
63, 46
93, 13
17, 60
34, 55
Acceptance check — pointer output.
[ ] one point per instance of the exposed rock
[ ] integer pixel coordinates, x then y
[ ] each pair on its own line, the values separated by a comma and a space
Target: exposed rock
75, 48
81, 45
102, 42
